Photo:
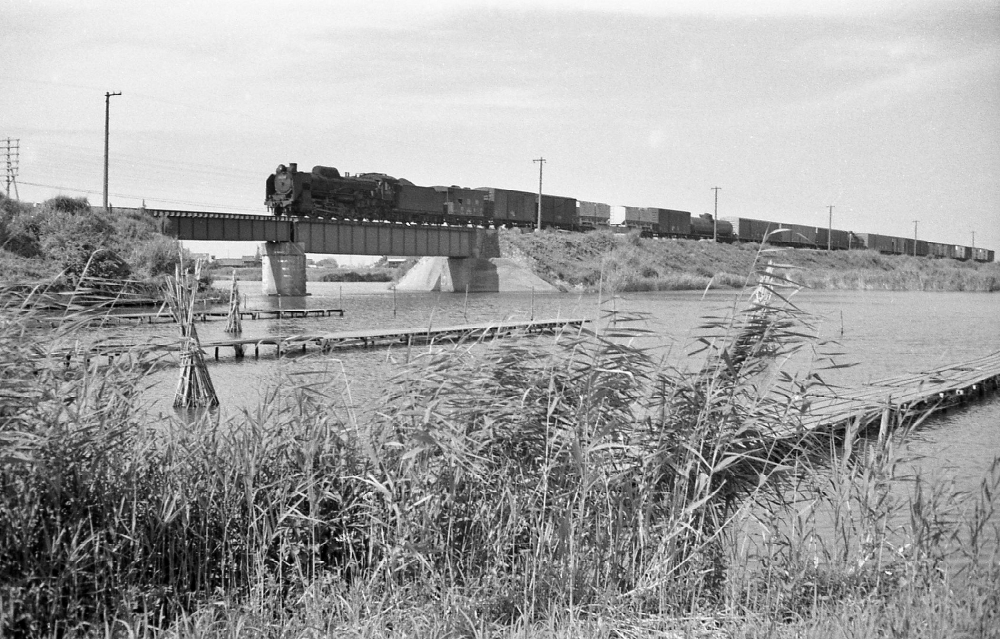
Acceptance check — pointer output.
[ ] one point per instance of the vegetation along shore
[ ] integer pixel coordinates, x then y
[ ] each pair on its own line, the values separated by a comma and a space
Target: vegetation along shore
576, 488
626, 262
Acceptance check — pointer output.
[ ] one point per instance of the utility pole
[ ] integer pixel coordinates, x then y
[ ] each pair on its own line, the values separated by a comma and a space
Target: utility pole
973, 239
541, 163
107, 121
915, 237
829, 231
715, 218
13, 151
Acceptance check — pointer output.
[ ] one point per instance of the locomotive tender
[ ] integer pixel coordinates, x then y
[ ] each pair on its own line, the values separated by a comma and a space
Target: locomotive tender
376, 197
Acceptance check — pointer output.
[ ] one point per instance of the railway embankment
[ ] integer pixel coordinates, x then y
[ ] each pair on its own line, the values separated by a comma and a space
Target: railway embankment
627, 262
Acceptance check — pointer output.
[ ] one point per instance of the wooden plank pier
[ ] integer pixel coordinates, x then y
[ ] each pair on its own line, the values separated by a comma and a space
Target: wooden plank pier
373, 338
369, 338
907, 396
105, 319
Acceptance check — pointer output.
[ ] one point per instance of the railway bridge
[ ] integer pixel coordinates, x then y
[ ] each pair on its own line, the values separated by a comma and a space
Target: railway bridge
285, 242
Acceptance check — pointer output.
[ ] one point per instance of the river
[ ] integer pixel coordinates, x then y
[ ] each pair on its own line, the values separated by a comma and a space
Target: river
881, 333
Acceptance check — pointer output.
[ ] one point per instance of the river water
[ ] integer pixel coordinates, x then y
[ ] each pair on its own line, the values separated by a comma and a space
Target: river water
881, 333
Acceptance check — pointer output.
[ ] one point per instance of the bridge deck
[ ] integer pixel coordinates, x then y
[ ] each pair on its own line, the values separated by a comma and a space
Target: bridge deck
909, 395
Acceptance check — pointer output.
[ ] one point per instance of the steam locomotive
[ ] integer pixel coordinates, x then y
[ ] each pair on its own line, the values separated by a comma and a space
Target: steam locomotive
377, 197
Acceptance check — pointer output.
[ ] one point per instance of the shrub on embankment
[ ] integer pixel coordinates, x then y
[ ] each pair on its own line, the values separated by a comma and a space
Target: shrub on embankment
66, 236
627, 262
497, 487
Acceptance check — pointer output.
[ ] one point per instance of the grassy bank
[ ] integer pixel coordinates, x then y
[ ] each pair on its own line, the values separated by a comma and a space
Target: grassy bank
539, 489
630, 263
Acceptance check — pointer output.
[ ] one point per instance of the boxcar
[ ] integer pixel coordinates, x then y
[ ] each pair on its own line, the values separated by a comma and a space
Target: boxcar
593, 215
981, 254
510, 208
751, 230
638, 217
797, 235
936, 249
461, 205
420, 199
559, 212
835, 239
880, 243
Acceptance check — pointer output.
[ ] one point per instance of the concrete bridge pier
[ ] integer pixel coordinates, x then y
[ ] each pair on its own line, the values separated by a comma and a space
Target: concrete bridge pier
283, 268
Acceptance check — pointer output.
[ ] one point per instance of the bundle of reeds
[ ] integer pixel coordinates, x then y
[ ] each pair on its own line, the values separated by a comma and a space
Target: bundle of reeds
234, 323
194, 388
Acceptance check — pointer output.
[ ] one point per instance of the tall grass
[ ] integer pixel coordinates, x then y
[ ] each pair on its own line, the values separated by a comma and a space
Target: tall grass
525, 487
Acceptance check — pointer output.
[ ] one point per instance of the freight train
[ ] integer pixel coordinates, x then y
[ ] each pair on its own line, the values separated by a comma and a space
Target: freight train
376, 197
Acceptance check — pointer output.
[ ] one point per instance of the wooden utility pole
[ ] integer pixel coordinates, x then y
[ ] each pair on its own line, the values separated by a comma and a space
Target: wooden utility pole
829, 231
107, 121
915, 237
541, 162
715, 218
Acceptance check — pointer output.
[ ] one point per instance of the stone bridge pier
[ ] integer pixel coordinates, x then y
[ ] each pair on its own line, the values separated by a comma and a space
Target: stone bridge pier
283, 268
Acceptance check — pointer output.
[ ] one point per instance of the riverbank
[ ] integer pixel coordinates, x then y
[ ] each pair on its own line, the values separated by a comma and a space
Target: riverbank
628, 263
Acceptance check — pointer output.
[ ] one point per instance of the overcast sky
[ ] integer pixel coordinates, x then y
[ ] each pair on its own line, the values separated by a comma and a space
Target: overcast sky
887, 110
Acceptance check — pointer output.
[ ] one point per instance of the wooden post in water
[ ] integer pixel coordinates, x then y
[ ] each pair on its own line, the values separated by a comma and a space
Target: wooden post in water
194, 388
234, 323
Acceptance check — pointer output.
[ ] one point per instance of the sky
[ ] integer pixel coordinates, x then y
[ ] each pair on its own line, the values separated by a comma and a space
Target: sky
887, 110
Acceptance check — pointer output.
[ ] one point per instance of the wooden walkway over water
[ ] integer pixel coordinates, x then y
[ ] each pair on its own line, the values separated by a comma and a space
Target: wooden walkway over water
116, 319
369, 338
905, 396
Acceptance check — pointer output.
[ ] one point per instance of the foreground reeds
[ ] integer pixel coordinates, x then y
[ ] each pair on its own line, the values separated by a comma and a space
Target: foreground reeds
568, 488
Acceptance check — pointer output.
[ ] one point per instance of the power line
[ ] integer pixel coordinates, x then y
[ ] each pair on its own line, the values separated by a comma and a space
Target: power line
139, 197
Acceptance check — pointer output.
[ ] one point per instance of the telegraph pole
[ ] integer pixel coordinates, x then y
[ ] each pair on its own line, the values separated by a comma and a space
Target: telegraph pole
13, 150
915, 237
715, 218
829, 231
107, 121
541, 163
973, 239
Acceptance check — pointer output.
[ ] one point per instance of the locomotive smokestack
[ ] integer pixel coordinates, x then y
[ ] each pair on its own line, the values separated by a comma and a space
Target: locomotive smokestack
293, 167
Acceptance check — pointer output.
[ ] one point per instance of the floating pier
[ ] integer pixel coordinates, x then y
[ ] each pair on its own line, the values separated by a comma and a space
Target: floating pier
907, 396
370, 338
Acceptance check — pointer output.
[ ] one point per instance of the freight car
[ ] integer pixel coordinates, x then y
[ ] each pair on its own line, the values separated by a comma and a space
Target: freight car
654, 222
